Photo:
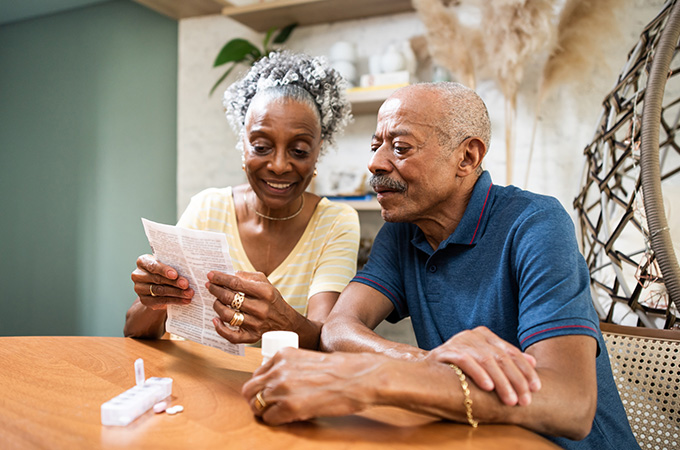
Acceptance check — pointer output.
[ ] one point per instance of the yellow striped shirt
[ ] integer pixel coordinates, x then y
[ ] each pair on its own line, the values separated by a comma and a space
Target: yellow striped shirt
323, 260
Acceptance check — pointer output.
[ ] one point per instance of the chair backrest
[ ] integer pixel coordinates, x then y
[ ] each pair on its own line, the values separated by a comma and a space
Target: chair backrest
646, 368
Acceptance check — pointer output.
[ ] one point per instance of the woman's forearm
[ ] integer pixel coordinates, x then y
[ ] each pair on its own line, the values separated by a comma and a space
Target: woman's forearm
308, 332
143, 322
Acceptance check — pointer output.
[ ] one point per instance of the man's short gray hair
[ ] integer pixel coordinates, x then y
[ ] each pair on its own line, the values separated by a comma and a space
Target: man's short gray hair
465, 113
298, 77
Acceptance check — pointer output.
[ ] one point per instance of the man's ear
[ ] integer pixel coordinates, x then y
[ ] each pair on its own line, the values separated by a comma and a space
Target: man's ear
472, 155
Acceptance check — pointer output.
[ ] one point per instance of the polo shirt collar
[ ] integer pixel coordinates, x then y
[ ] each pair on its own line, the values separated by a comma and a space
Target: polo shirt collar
474, 220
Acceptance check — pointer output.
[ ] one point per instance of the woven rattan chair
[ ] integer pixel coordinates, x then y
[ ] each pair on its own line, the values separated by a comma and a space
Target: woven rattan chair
646, 368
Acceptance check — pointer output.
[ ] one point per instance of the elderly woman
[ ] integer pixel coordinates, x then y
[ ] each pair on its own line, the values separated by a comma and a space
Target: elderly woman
293, 251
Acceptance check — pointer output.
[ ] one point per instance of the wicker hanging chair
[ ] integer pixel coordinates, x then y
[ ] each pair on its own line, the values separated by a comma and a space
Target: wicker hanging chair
632, 160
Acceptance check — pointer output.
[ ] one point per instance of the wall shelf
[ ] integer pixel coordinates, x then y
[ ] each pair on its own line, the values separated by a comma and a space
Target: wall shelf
368, 100
184, 9
362, 205
262, 15
278, 13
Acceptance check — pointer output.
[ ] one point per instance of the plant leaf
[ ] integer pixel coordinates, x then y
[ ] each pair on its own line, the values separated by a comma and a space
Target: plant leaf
235, 50
284, 34
267, 38
225, 75
255, 55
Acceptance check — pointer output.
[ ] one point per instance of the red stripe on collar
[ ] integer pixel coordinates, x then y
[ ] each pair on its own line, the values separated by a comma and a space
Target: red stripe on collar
480, 215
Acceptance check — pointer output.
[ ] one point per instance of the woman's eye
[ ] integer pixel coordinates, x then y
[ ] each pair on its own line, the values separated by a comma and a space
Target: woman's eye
259, 148
300, 153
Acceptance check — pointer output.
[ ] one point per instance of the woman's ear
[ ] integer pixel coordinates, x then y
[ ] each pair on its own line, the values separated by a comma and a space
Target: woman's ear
473, 154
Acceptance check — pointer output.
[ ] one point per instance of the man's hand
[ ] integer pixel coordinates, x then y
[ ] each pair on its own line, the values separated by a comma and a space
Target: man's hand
299, 385
492, 363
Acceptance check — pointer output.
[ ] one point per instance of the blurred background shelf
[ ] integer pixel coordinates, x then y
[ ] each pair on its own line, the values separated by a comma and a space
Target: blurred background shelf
363, 205
360, 204
184, 9
368, 100
277, 13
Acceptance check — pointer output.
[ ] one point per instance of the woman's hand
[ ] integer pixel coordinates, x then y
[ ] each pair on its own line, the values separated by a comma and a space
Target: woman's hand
159, 285
492, 363
263, 308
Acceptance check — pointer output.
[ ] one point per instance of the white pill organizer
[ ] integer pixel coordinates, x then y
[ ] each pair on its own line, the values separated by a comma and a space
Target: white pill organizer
126, 407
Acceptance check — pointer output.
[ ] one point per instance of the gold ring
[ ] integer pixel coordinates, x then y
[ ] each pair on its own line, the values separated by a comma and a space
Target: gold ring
237, 320
151, 290
260, 404
238, 301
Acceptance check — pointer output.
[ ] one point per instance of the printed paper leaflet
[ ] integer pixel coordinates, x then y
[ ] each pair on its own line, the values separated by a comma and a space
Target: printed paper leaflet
193, 253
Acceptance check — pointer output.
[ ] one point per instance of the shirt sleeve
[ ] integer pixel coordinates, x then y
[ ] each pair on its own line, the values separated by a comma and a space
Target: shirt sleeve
195, 214
337, 261
553, 279
383, 271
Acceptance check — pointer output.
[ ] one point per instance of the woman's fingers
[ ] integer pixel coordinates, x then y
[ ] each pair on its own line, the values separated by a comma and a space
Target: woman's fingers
150, 270
252, 295
159, 285
239, 335
252, 284
159, 296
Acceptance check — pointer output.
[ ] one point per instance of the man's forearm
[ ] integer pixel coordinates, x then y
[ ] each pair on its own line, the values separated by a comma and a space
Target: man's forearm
351, 335
434, 388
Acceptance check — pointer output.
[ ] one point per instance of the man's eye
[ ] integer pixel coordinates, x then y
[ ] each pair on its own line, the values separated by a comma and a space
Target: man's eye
401, 149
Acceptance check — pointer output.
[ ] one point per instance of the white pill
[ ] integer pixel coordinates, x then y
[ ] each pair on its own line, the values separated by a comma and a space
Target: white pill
159, 407
175, 409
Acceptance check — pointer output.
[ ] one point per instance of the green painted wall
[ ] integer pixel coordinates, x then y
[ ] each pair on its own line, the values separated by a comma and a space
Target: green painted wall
88, 102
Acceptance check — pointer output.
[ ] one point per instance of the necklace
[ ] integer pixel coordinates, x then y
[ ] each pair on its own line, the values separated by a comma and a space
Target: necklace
264, 216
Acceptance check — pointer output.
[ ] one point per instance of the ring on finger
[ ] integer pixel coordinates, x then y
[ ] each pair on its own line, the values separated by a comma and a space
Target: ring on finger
151, 290
239, 298
237, 320
260, 404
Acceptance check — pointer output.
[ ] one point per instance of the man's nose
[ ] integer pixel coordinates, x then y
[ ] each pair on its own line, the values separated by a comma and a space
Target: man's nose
379, 162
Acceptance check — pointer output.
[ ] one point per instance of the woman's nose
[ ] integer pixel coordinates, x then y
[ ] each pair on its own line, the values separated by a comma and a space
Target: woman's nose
279, 162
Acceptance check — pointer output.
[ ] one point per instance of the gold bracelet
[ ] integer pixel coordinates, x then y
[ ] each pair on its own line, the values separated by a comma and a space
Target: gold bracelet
466, 392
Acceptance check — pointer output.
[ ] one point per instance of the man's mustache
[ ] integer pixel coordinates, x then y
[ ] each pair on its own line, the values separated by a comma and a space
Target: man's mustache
385, 182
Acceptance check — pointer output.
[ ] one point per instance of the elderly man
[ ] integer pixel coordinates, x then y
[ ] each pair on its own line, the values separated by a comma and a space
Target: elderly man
494, 284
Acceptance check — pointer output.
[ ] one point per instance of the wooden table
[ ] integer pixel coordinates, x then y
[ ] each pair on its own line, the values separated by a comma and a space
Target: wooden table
51, 390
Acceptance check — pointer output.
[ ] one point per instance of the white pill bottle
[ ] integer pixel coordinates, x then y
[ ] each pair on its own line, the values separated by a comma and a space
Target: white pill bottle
273, 341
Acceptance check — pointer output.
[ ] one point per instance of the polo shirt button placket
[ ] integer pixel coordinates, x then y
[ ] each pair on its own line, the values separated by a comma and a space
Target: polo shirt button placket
432, 269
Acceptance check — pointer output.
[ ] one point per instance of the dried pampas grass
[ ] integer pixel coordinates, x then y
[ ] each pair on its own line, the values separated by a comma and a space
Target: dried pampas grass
450, 43
585, 30
515, 31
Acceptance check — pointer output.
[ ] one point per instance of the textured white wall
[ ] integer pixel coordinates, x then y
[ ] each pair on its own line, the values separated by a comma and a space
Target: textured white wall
206, 154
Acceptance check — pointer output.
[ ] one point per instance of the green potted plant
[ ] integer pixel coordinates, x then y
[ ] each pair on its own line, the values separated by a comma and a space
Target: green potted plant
241, 51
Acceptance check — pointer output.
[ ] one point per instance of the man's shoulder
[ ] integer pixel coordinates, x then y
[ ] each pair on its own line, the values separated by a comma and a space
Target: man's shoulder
519, 202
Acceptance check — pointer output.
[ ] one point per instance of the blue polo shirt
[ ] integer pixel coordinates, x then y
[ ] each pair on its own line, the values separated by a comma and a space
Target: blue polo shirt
512, 265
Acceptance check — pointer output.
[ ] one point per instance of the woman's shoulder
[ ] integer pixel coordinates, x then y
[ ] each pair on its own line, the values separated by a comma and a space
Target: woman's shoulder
214, 193
328, 208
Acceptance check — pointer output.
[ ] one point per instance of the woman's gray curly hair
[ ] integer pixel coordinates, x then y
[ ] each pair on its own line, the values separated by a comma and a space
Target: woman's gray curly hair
292, 75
